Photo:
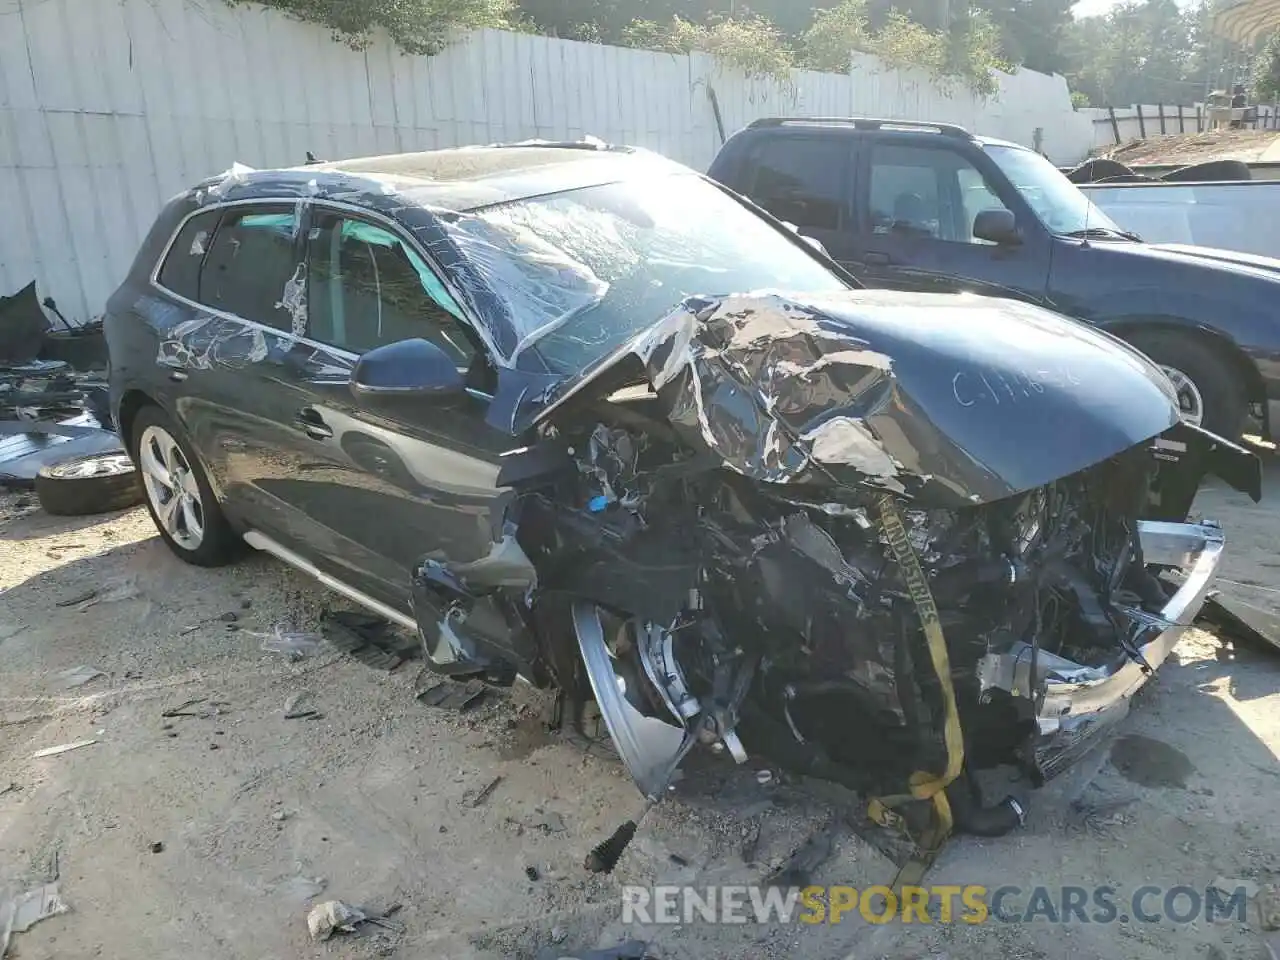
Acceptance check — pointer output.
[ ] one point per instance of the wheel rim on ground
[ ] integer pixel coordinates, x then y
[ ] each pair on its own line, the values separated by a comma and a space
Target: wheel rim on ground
104, 465
171, 487
1190, 403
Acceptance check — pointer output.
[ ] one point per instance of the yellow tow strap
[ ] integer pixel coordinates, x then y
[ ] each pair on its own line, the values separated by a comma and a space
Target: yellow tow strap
923, 784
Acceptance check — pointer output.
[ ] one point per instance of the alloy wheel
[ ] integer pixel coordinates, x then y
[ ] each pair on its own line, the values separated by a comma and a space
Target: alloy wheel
171, 488
1190, 402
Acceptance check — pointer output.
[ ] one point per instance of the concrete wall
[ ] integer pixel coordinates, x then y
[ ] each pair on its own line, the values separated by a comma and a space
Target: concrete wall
109, 107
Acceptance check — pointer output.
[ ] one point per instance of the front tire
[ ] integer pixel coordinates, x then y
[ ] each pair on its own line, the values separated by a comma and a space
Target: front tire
1211, 392
178, 495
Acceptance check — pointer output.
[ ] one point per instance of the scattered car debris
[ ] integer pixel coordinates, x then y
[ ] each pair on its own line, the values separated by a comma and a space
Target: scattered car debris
77, 598
292, 644
452, 695
798, 868
157, 846
332, 915
1237, 614
62, 748
24, 911
27, 446
78, 676
23, 326
114, 590
531, 872
549, 822
295, 708
280, 816
485, 792
368, 638
184, 709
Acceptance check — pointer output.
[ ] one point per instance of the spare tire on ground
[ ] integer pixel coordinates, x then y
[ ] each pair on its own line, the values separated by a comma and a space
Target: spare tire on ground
1099, 168
95, 483
1211, 171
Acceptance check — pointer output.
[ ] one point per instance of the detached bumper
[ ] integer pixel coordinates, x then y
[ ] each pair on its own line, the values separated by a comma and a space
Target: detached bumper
1081, 702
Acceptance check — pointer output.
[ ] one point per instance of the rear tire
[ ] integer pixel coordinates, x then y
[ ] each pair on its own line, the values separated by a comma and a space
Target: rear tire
178, 495
1208, 380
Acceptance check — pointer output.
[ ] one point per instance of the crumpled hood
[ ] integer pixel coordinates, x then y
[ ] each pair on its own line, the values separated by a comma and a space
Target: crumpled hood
951, 399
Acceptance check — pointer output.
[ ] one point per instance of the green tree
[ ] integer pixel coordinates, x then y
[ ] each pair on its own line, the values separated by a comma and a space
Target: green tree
1141, 51
1032, 32
1265, 76
417, 26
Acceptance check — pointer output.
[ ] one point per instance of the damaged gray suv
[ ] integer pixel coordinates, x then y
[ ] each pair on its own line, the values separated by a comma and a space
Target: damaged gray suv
580, 415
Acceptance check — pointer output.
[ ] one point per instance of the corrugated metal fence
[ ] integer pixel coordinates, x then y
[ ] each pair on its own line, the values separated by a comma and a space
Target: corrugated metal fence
109, 107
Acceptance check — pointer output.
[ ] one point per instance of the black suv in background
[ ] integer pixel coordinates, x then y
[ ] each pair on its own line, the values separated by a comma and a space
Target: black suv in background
931, 207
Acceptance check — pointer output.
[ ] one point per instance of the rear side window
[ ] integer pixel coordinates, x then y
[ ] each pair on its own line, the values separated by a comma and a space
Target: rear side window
254, 269
180, 272
801, 180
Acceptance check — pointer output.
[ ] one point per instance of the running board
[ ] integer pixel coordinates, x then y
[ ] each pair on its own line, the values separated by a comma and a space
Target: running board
260, 541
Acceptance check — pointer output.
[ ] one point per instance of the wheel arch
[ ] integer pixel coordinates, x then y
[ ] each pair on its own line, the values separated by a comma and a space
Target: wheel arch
131, 403
1221, 345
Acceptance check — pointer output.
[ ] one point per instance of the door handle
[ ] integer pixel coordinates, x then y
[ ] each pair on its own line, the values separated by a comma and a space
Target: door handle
876, 258
309, 421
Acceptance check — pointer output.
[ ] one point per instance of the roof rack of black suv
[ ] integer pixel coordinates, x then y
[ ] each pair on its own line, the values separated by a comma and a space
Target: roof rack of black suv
866, 123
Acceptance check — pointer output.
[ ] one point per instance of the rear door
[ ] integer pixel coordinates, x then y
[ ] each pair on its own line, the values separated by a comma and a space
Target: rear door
916, 205
224, 354
807, 180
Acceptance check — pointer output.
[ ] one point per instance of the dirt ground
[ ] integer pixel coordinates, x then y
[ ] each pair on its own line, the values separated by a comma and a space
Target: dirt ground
1225, 144
210, 835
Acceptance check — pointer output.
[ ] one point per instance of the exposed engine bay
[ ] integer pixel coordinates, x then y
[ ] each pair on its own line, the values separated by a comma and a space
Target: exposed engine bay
762, 539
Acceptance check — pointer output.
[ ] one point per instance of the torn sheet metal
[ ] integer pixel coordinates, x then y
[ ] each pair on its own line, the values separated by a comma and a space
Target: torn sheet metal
1244, 611
957, 400
26, 446
23, 326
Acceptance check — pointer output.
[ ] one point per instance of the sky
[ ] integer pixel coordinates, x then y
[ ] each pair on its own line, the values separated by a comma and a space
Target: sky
1093, 8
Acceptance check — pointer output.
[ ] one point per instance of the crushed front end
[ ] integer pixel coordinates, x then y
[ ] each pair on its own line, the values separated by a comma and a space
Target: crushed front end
788, 528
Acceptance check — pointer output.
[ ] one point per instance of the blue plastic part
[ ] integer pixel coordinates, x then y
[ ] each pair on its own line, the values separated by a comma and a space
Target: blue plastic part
596, 504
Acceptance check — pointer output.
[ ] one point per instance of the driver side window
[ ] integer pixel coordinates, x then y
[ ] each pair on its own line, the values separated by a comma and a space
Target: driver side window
367, 287
927, 193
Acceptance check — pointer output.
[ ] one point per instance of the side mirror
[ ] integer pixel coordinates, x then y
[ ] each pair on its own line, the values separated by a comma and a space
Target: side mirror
997, 226
407, 368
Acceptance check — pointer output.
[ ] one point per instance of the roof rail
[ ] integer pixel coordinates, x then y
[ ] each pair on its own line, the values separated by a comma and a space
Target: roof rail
867, 123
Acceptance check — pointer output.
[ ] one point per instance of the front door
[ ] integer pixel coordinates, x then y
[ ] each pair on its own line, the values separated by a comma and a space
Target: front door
917, 205
381, 484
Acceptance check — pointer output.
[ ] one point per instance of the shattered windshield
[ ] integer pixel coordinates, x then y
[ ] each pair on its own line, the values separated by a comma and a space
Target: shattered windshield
582, 271
1058, 202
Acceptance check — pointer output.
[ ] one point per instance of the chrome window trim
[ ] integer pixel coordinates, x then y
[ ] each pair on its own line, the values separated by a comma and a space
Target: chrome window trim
338, 205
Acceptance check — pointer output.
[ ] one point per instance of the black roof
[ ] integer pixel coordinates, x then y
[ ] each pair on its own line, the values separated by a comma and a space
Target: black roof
461, 178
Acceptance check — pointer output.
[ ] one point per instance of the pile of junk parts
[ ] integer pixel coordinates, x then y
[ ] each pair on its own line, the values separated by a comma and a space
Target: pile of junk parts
54, 411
